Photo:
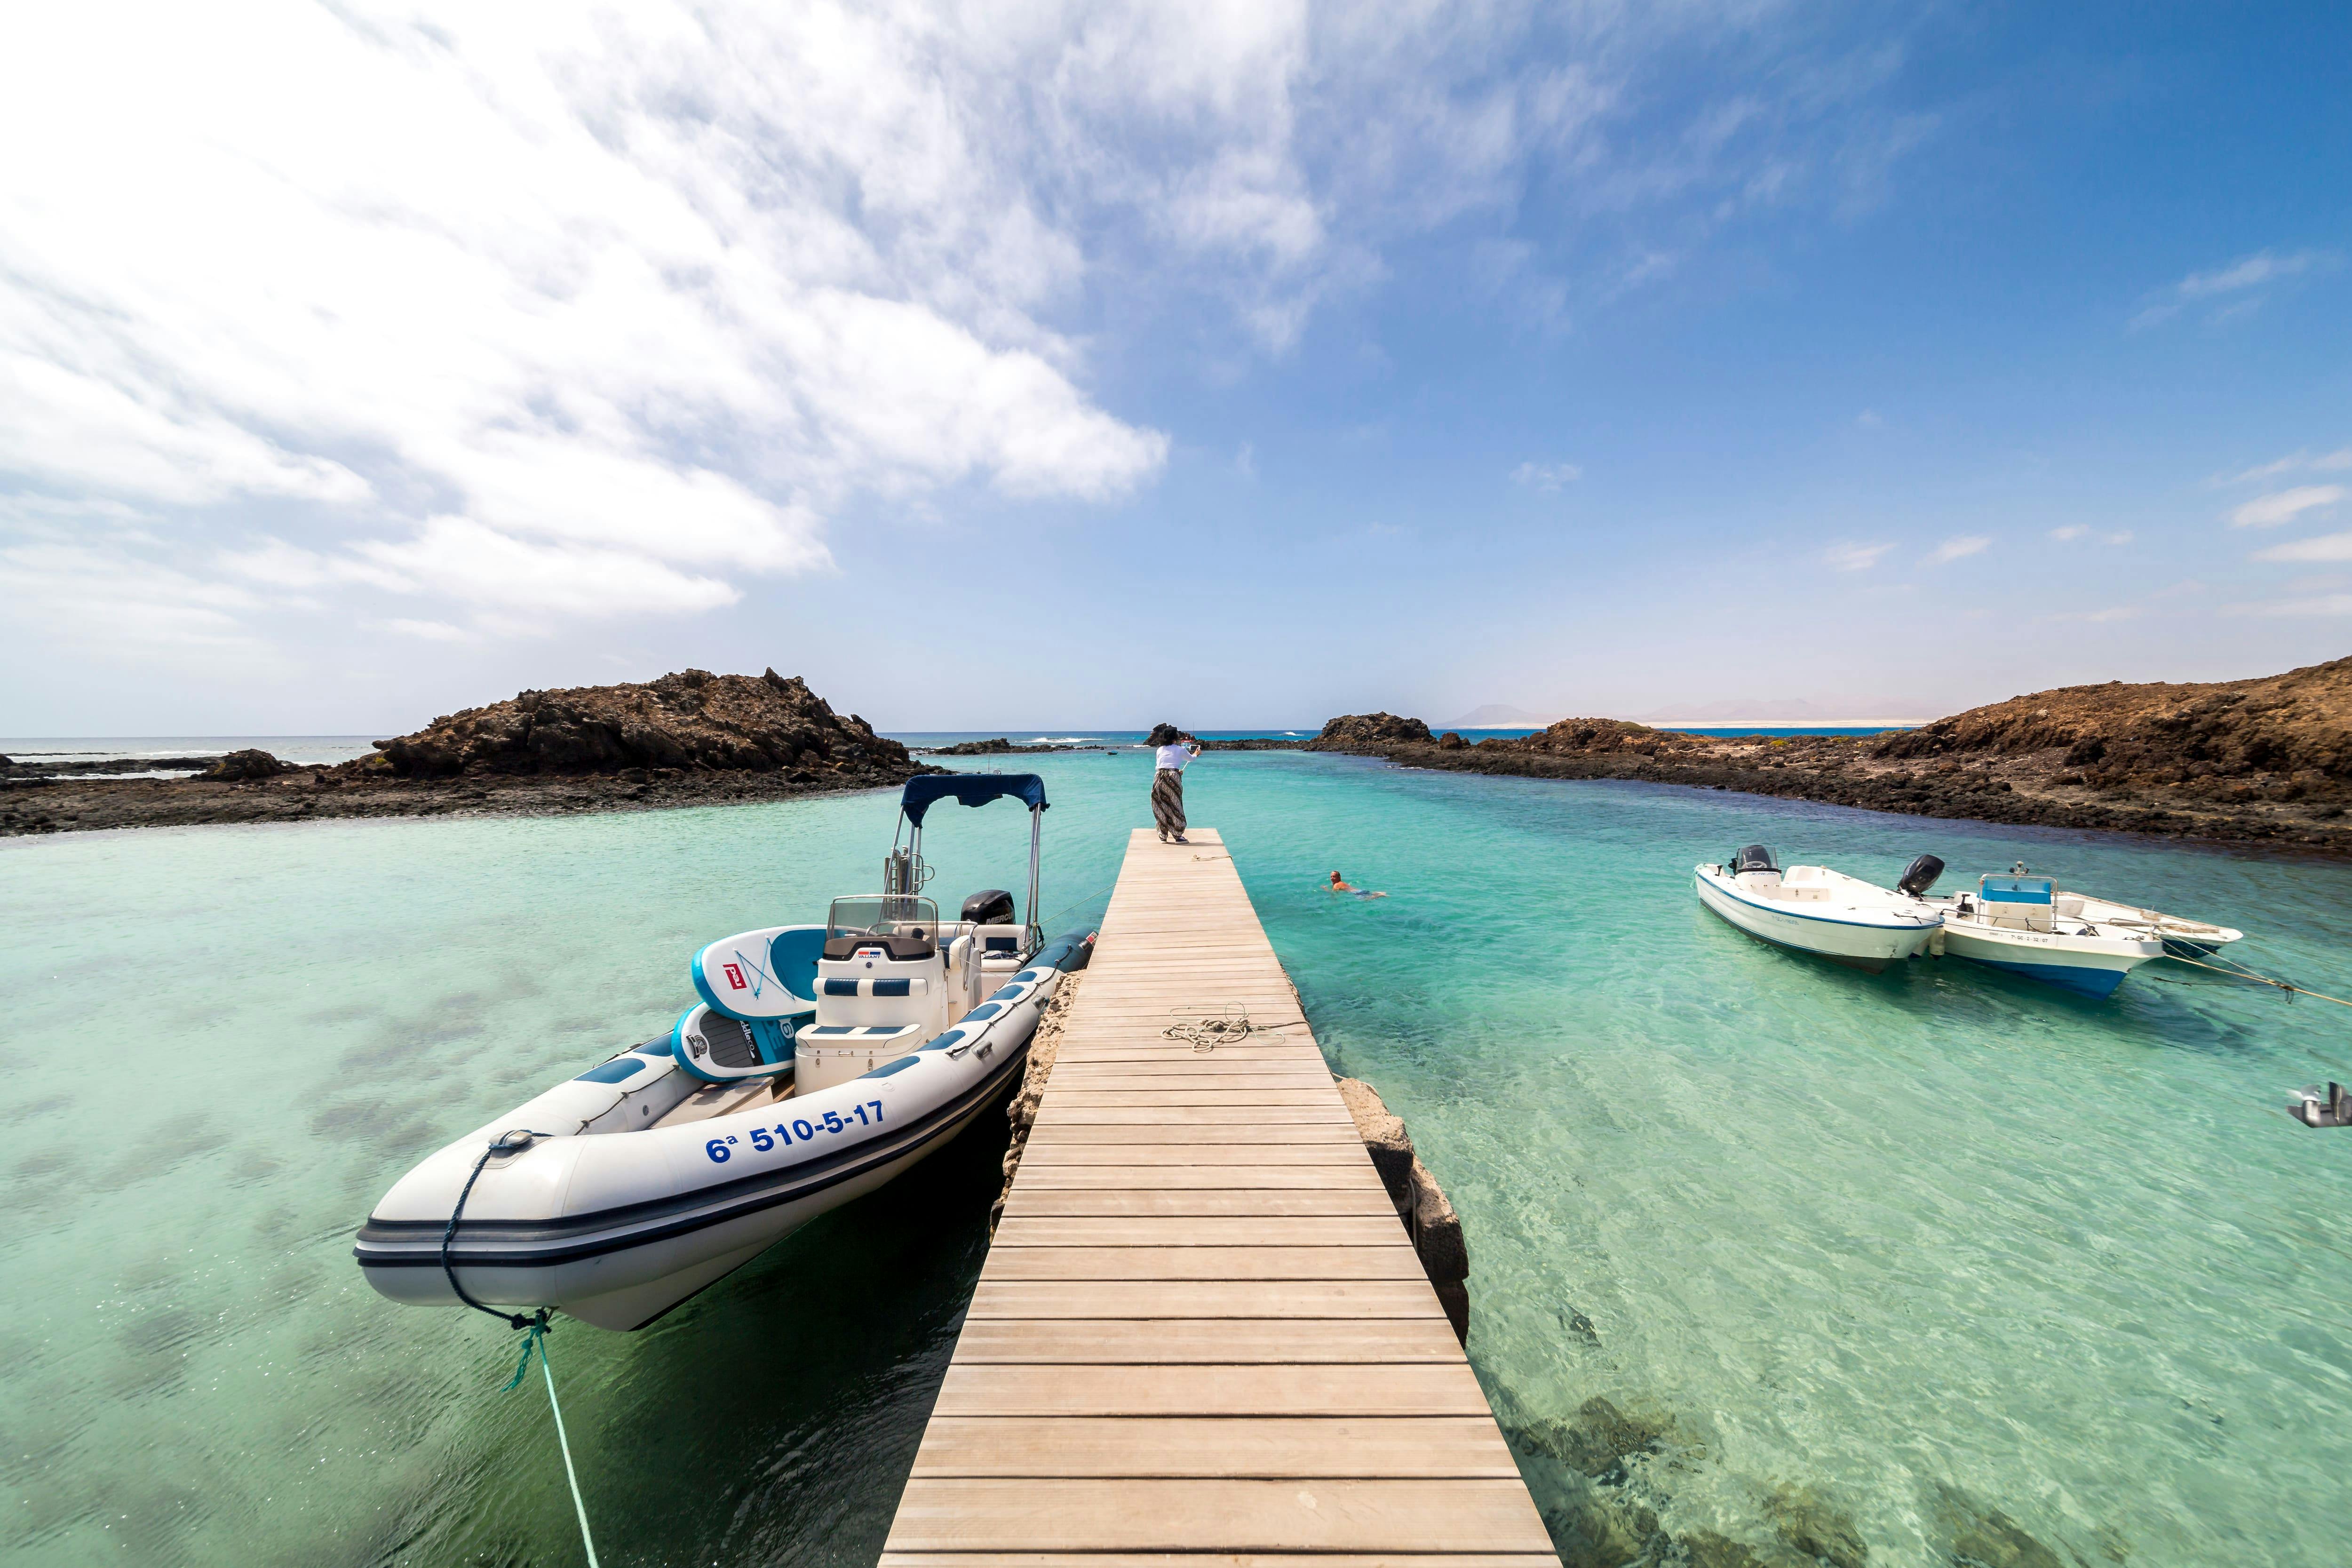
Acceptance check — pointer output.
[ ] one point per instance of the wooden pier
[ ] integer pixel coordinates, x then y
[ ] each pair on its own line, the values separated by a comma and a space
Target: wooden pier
1201, 1329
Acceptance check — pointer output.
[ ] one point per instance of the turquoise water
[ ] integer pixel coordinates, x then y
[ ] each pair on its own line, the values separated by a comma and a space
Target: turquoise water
1937, 1260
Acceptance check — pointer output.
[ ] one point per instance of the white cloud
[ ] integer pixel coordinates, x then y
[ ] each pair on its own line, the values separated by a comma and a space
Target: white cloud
2248, 272
2298, 462
2077, 531
1545, 478
526, 313
2072, 531
2317, 605
1959, 547
1854, 557
2284, 506
2326, 547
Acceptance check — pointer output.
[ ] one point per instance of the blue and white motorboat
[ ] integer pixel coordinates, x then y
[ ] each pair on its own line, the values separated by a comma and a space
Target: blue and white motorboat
1811, 908
819, 1062
2021, 923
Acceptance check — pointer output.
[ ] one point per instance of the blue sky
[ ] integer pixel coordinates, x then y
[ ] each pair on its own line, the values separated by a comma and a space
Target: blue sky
1043, 366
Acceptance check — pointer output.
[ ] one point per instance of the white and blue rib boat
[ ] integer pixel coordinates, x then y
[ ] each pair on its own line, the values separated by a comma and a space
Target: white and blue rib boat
818, 1063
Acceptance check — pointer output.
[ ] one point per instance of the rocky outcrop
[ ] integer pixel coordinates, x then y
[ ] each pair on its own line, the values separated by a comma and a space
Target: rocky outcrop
246, 766
2279, 738
2264, 761
767, 723
1429, 1219
1001, 746
1369, 733
688, 739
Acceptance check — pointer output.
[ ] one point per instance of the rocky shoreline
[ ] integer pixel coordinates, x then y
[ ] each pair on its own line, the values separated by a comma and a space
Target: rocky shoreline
2262, 761
688, 739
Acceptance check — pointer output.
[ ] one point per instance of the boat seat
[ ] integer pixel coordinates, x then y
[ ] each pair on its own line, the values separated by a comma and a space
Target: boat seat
836, 1053
906, 985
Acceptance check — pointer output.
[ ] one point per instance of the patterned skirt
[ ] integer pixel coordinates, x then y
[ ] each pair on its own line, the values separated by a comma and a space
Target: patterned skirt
1168, 800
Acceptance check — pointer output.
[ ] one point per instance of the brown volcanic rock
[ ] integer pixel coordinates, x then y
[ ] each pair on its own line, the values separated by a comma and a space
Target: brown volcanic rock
692, 720
1369, 733
2267, 761
2282, 737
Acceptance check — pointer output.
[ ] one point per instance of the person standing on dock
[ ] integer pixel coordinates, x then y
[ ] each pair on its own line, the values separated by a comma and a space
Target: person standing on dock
1174, 749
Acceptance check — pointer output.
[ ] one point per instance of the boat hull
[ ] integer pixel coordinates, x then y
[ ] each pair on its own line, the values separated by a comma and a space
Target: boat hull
1870, 947
2071, 963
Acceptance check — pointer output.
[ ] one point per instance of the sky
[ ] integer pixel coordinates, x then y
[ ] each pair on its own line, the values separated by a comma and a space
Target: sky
1041, 365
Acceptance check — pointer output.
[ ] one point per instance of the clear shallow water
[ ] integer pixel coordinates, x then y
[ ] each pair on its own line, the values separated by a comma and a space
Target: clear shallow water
1920, 1248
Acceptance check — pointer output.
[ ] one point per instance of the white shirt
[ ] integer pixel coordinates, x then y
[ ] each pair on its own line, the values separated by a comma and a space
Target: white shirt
1175, 757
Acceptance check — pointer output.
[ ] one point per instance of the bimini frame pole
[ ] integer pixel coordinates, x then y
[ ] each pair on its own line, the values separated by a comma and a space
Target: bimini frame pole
1036, 931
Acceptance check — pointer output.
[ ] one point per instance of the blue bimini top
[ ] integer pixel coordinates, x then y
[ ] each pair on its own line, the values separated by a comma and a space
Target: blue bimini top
972, 789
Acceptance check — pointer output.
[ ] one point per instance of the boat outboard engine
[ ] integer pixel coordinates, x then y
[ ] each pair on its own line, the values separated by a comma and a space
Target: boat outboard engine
988, 907
1754, 858
1919, 876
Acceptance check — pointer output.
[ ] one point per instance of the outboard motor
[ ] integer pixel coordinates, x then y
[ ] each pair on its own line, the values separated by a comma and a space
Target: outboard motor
1919, 876
1755, 857
988, 907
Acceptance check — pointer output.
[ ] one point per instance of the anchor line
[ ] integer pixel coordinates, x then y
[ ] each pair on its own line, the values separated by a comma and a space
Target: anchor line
2240, 971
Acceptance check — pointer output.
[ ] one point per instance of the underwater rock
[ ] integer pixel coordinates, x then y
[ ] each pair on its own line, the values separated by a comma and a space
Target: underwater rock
1708, 1550
1600, 1439
1987, 1538
1577, 1323
1603, 1532
1809, 1524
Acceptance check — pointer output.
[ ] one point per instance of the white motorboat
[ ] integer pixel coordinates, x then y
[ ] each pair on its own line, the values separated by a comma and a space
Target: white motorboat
2181, 937
2021, 923
819, 1062
1811, 908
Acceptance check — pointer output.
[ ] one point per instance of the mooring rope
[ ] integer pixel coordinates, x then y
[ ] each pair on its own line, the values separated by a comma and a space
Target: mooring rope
2236, 971
534, 1327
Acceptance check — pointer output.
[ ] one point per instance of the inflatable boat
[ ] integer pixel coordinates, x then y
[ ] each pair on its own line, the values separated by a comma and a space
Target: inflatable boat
817, 1063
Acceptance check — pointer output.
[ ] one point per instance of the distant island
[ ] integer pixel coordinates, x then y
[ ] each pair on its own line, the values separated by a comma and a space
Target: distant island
2266, 760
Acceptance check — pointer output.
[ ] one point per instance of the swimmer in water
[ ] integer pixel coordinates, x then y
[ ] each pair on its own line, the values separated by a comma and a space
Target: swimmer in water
1339, 885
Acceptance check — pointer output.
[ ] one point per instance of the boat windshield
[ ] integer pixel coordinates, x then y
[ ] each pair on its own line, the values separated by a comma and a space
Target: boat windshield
882, 914
1755, 857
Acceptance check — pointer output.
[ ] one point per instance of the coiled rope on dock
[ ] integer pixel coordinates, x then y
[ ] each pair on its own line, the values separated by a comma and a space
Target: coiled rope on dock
1205, 1031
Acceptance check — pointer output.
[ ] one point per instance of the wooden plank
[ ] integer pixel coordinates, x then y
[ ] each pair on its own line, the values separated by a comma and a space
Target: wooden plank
1452, 1447
1399, 1389
1237, 1134
1210, 1152
1110, 1342
1321, 1175
1202, 1263
1028, 1201
1203, 1230
1089, 1514
1169, 1298
1220, 1113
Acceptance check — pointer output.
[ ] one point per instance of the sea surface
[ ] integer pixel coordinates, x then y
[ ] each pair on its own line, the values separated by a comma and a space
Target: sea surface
1939, 1262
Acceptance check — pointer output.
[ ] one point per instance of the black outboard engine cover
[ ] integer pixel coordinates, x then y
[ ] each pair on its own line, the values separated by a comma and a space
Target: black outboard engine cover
988, 907
1755, 857
1919, 876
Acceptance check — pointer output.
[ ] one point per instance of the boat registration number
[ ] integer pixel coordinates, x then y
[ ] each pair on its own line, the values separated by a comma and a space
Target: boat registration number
802, 1129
